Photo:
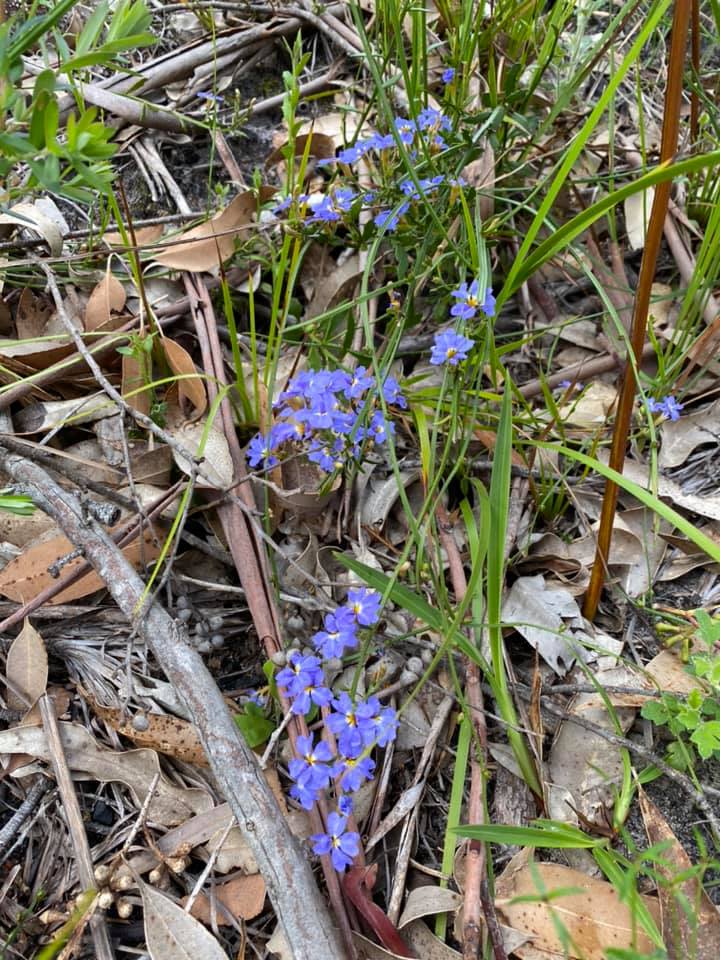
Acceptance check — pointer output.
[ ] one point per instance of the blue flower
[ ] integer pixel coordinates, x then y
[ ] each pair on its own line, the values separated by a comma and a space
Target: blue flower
389, 219
324, 212
283, 205
256, 697
468, 304
380, 724
341, 845
343, 198
450, 347
350, 725
448, 75
382, 142
305, 683
312, 766
305, 794
668, 407
353, 772
379, 428
359, 383
260, 450
430, 118
406, 130
392, 393
365, 606
322, 455
345, 805
339, 632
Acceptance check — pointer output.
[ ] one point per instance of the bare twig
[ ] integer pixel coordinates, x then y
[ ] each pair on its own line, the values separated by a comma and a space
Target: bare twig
73, 816
10, 829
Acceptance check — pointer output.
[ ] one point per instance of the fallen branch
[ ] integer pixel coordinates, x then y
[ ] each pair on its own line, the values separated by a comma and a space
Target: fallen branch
286, 871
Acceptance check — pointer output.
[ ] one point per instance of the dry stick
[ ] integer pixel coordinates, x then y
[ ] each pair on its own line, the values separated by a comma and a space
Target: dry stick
475, 862
286, 871
584, 370
73, 816
623, 416
14, 824
248, 551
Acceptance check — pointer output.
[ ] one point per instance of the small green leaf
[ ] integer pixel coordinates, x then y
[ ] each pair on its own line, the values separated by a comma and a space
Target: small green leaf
254, 725
707, 738
656, 711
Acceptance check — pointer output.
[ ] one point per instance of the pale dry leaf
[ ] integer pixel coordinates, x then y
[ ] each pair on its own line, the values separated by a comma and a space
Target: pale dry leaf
107, 298
31, 315
28, 575
694, 933
26, 668
584, 766
669, 490
48, 415
426, 944
680, 437
278, 945
670, 675
429, 900
172, 934
548, 618
20, 531
243, 896
637, 215
592, 408
190, 385
208, 245
590, 910
31, 217
89, 761
217, 465
407, 802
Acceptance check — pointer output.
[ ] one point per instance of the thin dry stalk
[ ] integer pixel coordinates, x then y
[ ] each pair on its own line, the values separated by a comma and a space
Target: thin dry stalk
73, 817
668, 147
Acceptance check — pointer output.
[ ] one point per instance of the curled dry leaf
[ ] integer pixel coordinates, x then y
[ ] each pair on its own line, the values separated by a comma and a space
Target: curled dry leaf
190, 385
48, 415
217, 465
591, 912
169, 735
428, 901
89, 761
26, 669
27, 575
31, 216
242, 896
172, 934
208, 245
143, 235
108, 298
687, 933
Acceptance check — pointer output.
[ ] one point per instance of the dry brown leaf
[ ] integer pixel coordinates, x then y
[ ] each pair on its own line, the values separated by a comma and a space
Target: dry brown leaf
172, 934
143, 235
190, 386
32, 315
27, 575
592, 409
429, 900
42, 416
594, 917
20, 531
668, 672
243, 896
134, 388
211, 243
107, 298
698, 937
170, 735
137, 769
681, 437
26, 669
318, 145
480, 174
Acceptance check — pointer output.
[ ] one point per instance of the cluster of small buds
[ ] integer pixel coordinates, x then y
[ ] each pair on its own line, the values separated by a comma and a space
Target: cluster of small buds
450, 346
668, 407
358, 725
320, 414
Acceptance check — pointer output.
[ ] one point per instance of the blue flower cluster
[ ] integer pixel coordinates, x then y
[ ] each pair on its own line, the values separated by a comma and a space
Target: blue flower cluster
427, 126
450, 346
668, 407
320, 413
358, 725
